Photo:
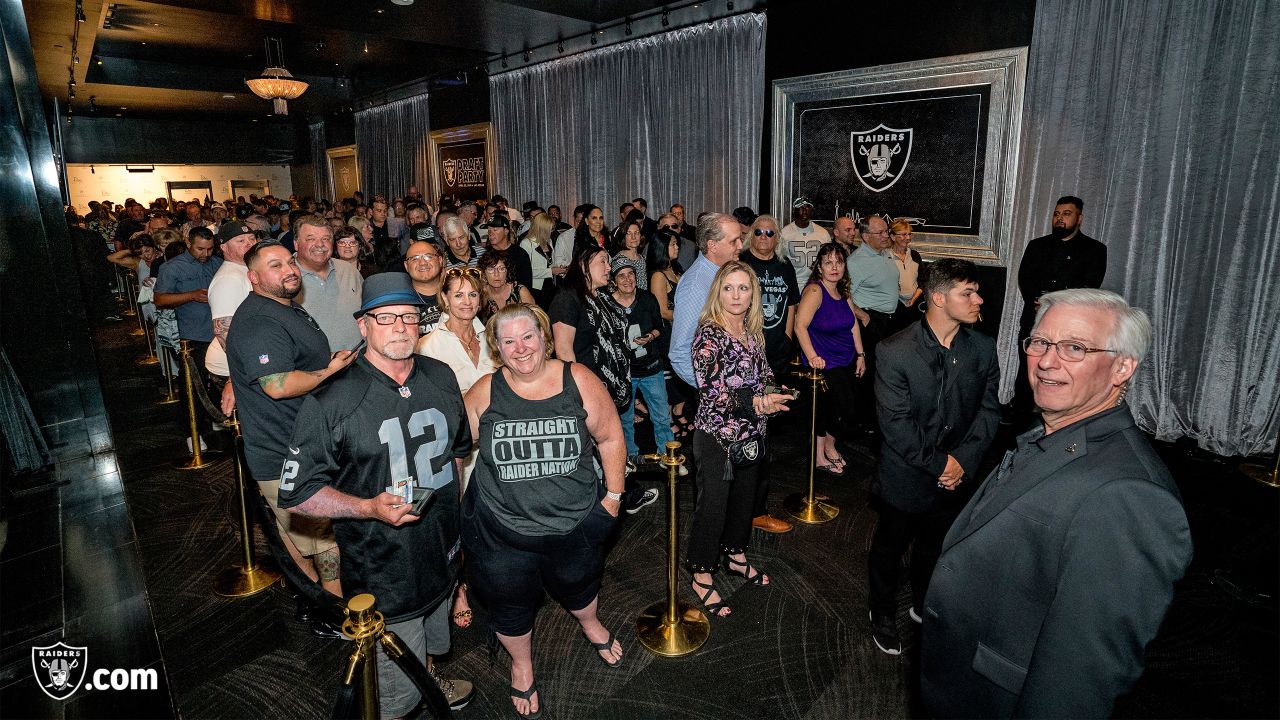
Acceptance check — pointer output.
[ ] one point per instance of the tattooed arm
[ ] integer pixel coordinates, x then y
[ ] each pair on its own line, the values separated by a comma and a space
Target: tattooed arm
331, 503
295, 383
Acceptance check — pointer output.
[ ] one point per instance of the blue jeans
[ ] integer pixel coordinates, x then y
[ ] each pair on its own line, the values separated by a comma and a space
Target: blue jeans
654, 388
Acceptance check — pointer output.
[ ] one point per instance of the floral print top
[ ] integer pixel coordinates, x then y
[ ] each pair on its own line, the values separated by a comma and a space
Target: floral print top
729, 375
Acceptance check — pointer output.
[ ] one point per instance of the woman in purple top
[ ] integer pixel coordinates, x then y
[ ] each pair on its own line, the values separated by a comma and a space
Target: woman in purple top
730, 366
830, 341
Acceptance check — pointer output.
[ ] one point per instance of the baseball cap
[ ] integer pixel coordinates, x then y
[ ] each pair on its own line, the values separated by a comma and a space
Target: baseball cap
499, 220
800, 202
232, 230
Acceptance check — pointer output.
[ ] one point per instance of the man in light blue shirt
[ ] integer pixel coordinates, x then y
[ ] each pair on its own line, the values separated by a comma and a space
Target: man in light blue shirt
873, 277
719, 241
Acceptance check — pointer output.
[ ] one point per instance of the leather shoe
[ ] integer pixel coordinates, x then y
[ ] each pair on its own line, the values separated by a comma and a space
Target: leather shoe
771, 524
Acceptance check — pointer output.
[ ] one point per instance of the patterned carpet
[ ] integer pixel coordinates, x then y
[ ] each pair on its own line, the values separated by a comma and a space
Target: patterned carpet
798, 649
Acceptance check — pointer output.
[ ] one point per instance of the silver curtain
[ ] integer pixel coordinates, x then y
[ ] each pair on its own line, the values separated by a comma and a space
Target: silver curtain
676, 117
320, 161
1164, 119
391, 146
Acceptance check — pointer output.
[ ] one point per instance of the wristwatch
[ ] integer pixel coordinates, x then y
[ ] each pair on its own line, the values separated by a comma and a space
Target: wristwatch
613, 496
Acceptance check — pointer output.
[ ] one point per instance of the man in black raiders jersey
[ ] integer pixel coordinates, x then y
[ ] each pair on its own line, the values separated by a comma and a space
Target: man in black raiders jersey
349, 460
424, 261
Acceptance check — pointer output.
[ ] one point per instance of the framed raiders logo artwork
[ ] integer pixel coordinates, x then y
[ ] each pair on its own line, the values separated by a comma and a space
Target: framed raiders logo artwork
935, 141
344, 171
462, 161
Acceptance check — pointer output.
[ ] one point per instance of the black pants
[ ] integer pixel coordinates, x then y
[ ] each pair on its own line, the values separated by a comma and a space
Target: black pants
897, 529
726, 498
879, 328
836, 404
781, 376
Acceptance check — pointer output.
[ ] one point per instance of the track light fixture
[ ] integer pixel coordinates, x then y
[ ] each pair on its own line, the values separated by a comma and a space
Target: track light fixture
666, 18
504, 62
594, 40
527, 55
560, 47
729, 6
627, 26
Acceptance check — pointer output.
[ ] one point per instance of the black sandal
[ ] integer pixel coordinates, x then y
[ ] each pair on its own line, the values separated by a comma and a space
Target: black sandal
752, 575
715, 607
606, 646
528, 695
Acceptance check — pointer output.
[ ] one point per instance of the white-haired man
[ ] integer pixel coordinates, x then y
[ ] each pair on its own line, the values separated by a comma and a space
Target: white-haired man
1057, 574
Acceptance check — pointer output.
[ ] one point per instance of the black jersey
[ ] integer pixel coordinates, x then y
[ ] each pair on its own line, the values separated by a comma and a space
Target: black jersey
365, 433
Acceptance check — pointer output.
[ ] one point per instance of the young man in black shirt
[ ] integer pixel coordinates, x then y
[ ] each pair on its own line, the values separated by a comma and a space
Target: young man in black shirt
380, 451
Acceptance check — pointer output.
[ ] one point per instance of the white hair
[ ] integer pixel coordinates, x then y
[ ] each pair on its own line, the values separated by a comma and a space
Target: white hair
1130, 335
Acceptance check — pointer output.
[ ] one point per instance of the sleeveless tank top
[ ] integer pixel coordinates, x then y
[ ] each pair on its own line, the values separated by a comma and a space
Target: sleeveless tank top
831, 331
537, 470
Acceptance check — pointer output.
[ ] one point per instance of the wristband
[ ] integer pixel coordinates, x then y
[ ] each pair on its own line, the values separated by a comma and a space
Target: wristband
613, 495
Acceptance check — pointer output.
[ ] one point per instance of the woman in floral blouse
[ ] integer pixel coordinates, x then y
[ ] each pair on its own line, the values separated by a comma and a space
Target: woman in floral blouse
732, 372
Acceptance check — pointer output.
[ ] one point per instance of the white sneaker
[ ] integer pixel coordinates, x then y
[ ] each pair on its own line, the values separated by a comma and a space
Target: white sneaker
911, 613
203, 447
682, 470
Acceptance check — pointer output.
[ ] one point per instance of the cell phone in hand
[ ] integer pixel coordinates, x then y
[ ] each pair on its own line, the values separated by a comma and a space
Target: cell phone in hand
359, 346
776, 390
420, 502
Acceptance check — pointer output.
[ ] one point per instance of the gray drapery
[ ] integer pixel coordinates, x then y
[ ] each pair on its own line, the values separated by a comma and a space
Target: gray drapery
1164, 119
391, 146
320, 161
675, 117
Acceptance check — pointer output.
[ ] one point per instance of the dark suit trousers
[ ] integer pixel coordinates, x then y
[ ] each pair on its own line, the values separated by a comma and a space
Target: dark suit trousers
880, 327
894, 532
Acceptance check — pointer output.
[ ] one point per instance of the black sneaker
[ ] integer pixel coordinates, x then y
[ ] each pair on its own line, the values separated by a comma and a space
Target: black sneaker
457, 692
885, 632
636, 501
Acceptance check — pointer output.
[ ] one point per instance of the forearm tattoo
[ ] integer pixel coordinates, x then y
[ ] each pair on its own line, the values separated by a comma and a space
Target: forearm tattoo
273, 382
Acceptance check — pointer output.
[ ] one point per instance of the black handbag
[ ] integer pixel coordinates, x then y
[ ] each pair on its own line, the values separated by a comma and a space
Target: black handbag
748, 451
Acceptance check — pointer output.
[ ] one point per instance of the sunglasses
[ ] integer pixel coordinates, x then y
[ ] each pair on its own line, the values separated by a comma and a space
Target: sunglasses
766, 233
462, 272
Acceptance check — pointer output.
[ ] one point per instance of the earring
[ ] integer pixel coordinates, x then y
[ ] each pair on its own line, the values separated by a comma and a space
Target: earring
1124, 390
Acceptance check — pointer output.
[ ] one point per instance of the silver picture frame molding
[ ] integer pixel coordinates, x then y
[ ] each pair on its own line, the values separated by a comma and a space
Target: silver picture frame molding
1004, 71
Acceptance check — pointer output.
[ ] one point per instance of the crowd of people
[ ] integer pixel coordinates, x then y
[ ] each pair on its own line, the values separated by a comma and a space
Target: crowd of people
433, 391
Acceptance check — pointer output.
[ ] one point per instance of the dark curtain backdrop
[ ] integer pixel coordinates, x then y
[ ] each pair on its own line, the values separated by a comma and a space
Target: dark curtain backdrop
391, 146
320, 161
1164, 119
672, 118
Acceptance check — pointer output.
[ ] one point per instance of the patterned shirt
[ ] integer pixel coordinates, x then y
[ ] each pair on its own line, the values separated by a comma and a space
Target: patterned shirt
730, 374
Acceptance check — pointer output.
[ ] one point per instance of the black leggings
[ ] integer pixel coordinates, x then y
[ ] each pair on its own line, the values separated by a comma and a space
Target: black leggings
508, 571
726, 498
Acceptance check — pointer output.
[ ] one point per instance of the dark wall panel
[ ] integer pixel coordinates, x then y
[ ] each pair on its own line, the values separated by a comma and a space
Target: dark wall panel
456, 105
110, 140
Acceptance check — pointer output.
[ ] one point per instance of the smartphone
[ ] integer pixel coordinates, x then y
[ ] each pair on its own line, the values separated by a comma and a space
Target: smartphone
359, 346
774, 390
420, 502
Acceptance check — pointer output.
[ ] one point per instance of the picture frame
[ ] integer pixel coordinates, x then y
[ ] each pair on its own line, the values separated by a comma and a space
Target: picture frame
344, 172
457, 156
187, 189
932, 140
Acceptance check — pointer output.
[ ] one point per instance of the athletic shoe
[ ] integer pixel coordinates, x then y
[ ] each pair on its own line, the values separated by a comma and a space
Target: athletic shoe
915, 616
639, 500
457, 692
632, 461
885, 633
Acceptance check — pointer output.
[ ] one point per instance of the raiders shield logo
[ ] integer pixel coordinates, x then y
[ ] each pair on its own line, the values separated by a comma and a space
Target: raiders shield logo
59, 669
449, 172
880, 155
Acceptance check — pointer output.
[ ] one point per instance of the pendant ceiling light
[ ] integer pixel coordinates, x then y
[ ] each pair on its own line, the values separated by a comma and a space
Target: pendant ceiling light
276, 84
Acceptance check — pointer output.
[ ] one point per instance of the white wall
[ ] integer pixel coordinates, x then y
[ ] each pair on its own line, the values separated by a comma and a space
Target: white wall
114, 183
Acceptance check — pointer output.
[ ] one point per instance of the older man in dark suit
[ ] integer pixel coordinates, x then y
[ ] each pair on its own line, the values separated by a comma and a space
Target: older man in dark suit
935, 385
1058, 573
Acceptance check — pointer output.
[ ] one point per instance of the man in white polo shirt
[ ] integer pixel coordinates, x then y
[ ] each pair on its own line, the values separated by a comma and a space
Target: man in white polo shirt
229, 287
801, 239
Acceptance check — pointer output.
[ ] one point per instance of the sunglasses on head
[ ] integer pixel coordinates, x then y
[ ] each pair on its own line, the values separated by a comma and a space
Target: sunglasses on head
766, 233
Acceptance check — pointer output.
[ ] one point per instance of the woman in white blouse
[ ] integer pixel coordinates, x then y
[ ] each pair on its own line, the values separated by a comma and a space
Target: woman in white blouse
541, 255
458, 341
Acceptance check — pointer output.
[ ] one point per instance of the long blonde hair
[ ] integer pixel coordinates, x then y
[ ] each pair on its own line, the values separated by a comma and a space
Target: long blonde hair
713, 311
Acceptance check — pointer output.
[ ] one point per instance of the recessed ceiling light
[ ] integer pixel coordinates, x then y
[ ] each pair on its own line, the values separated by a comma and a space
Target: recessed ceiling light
228, 97
122, 107
119, 115
402, 2
379, 11
144, 42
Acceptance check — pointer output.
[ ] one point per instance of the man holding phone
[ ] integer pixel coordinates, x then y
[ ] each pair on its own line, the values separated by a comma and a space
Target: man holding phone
379, 450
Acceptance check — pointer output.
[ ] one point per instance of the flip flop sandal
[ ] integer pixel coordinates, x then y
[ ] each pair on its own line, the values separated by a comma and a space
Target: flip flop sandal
528, 695
606, 646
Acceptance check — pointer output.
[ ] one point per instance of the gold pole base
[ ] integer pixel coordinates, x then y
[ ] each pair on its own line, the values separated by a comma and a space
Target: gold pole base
147, 360
208, 457
129, 312
169, 400
686, 635
137, 332
237, 582
810, 513
1261, 473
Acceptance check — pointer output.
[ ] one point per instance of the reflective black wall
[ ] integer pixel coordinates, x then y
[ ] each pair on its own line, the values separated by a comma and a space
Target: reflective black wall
42, 316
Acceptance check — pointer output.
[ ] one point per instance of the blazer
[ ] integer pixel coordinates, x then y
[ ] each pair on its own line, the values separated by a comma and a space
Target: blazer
1054, 578
932, 402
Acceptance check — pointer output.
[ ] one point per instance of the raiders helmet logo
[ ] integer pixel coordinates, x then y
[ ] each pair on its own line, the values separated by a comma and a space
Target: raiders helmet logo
880, 155
59, 669
449, 172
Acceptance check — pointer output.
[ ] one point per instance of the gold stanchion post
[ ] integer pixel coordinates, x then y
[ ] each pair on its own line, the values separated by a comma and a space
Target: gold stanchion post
150, 358
1263, 474
671, 628
171, 397
252, 576
131, 287
196, 462
363, 625
806, 507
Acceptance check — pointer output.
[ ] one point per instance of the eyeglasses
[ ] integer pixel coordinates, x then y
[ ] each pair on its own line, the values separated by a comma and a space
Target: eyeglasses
766, 233
347, 243
1068, 350
666, 227
877, 232
412, 318
905, 234
424, 257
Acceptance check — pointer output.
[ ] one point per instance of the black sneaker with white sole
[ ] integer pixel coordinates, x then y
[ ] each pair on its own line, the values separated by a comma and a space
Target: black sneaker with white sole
885, 633
635, 501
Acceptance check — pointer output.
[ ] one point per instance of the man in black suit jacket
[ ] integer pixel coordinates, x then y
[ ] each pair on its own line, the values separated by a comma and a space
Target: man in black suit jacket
1058, 573
936, 384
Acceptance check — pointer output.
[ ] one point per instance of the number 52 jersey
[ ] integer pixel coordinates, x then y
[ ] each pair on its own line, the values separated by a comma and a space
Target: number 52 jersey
363, 434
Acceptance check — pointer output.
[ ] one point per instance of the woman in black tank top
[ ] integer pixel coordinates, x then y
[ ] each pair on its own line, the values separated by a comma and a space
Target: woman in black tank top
536, 516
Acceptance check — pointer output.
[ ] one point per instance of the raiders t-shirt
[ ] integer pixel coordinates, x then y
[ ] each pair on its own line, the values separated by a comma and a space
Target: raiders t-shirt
779, 291
430, 314
363, 434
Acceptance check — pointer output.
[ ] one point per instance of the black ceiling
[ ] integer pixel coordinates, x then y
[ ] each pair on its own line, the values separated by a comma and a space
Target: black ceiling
191, 57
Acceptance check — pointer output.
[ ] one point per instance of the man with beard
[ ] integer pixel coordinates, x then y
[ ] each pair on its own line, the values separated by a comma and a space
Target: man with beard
350, 460
1064, 259
277, 353
424, 262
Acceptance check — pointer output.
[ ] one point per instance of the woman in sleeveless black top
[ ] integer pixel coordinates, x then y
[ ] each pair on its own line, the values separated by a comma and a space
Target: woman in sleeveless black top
536, 516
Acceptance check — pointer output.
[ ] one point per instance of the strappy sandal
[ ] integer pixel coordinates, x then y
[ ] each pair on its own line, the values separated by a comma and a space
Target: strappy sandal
606, 646
752, 575
712, 608
461, 618
527, 695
